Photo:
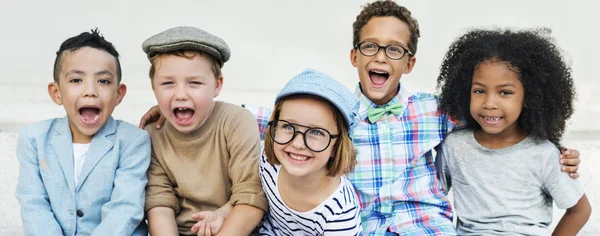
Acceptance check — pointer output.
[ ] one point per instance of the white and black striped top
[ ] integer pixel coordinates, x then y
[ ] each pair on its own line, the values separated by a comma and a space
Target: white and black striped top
337, 215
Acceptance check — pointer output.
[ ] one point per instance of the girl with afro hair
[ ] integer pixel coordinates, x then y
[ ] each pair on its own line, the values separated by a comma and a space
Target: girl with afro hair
515, 92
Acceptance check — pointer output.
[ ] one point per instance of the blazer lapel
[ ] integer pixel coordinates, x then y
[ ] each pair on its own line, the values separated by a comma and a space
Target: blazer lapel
62, 143
99, 146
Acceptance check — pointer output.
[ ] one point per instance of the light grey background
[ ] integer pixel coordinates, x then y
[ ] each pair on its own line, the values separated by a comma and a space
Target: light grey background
271, 41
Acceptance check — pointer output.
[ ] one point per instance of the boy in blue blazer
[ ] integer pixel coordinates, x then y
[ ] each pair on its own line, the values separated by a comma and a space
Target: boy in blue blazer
84, 174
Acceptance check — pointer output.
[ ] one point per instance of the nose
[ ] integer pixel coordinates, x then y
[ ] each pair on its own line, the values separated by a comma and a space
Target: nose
90, 89
490, 101
380, 56
181, 94
298, 140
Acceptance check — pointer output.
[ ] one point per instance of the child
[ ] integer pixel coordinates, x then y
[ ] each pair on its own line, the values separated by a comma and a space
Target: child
395, 174
515, 92
305, 157
84, 174
203, 171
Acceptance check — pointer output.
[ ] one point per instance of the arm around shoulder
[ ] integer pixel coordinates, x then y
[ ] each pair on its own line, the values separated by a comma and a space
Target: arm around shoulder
36, 212
125, 210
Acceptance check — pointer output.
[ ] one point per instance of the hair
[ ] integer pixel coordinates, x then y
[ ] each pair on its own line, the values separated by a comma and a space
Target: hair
533, 57
91, 39
387, 8
344, 157
156, 60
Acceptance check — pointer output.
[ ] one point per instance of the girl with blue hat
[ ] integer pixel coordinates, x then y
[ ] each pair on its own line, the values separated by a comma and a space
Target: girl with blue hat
306, 154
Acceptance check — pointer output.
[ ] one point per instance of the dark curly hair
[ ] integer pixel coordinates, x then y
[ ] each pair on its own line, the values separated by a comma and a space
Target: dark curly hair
387, 8
534, 58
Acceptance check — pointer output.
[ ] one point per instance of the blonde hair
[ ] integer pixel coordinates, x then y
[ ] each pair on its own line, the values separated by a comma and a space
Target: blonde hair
157, 59
344, 155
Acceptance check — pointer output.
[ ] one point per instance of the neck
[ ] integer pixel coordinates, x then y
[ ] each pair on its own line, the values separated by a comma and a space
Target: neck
309, 184
500, 140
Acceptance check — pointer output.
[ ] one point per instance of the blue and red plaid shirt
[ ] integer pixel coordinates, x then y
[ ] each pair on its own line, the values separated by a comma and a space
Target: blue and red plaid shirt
395, 176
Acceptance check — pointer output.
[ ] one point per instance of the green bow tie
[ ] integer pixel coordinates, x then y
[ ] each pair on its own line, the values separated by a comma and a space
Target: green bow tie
376, 113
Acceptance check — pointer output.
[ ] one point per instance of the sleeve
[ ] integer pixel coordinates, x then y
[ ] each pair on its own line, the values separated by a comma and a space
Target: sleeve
565, 191
36, 212
262, 116
441, 166
159, 191
243, 144
125, 210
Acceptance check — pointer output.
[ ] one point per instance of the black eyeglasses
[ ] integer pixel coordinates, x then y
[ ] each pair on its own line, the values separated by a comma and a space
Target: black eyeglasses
394, 52
316, 139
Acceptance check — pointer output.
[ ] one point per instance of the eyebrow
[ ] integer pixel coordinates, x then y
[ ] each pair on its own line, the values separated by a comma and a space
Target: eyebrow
79, 72
499, 86
105, 72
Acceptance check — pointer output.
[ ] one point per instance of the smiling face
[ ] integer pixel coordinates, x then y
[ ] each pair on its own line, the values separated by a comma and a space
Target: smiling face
496, 99
184, 87
379, 75
88, 89
297, 159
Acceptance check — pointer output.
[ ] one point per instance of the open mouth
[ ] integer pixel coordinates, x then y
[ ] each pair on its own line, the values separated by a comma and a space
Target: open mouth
378, 77
183, 115
297, 158
89, 115
492, 120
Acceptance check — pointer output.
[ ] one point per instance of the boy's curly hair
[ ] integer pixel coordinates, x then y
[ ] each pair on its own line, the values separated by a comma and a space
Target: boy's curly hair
534, 58
387, 8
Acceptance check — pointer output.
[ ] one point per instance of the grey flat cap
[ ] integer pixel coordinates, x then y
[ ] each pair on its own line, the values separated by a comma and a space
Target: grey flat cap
187, 38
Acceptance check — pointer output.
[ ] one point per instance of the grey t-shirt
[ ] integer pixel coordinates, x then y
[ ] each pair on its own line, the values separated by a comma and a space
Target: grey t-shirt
505, 191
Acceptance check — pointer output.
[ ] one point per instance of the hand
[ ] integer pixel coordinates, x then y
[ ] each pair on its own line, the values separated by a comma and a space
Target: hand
569, 159
152, 115
209, 223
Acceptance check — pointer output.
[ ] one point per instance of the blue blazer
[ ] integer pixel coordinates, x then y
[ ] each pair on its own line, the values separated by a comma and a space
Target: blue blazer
110, 197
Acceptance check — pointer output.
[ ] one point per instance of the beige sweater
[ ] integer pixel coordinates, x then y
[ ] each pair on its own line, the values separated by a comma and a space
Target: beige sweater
205, 169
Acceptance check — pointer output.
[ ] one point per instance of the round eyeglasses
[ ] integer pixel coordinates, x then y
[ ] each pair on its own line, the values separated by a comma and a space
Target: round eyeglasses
316, 139
394, 52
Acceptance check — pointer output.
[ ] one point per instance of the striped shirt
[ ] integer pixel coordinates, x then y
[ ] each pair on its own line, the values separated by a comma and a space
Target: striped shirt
337, 215
395, 175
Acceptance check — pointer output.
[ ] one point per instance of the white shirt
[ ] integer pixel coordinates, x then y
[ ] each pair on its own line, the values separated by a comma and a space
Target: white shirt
79, 154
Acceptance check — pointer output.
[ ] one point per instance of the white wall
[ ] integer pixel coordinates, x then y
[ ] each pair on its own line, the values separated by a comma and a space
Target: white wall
270, 40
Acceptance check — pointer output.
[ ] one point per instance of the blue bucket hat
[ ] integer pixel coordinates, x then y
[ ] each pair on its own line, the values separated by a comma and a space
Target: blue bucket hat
321, 85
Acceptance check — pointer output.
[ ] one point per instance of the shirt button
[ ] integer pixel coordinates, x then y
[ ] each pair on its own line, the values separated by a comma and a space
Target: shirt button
79, 213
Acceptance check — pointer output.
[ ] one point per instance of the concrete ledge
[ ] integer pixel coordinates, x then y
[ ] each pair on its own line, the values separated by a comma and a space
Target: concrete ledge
588, 145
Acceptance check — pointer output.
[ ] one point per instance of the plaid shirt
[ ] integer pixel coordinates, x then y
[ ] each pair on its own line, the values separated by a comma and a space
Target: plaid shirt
395, 176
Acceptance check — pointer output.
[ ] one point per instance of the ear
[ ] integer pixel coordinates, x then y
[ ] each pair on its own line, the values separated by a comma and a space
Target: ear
410, 65
218, 86
353, 56
121, 91
54, 92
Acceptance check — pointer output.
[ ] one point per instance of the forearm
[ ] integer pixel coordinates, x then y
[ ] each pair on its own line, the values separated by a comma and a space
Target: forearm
574, 218
241, 220
161, 221
225, 210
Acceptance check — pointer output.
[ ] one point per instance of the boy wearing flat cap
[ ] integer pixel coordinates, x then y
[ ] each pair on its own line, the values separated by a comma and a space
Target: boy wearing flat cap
203, 176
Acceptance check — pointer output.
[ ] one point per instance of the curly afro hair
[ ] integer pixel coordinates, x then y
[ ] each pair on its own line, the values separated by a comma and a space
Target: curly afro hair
387, 8
534, 58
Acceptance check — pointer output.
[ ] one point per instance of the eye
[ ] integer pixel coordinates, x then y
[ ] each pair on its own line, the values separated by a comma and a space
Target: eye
104, 81
369, 45
316, 132
196, 82
478, 91
506, 93
76, 80
166, 83
287, 127
395, 48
